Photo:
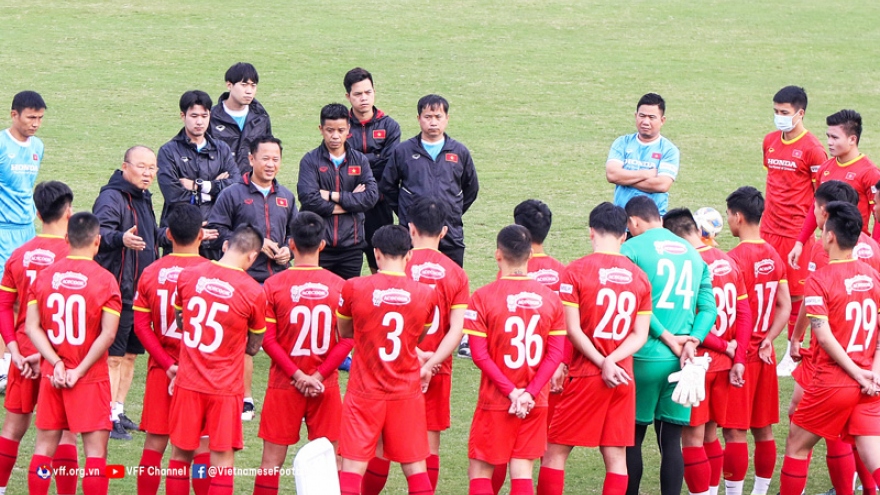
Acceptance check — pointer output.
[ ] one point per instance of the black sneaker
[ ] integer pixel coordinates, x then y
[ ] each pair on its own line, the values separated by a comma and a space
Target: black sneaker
247, 412
118, 432
464, 351
127, 423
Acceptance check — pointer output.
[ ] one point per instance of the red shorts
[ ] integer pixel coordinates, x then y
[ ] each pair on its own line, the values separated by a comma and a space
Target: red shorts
157, 403
553, 401
322, 414
400, 424
803, 374
82, 409
783, 245
498, 436
607, 422
437, 402
841, 413
756, 404
21, 393
714, 406
194, 414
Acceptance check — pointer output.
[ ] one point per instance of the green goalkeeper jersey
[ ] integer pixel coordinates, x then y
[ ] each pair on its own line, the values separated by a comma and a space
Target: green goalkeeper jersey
681, 289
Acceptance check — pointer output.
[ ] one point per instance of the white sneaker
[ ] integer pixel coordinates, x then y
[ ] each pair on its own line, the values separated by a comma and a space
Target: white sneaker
786, 366
3, 384
247, 413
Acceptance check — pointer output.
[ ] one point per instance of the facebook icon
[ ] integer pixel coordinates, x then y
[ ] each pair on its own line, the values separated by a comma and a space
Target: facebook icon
200, 471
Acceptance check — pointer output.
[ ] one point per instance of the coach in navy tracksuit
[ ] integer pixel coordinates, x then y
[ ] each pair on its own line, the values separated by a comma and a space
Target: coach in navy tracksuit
336, 182
433, 164
263, 203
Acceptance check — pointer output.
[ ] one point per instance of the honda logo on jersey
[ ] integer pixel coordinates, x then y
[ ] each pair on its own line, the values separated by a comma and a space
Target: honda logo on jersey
379, 134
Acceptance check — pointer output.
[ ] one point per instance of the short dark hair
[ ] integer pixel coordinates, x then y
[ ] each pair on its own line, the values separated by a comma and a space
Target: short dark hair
608, 218
307, 231
334, 111
747, 201
515, 243
194, 98
680, 221
393, 241
845, 221
246, 239
27, 99
255, 144
431, 101
52, 198
850, 120
428, 215
642, 207
652, 99
793, 95
185, 222
355, 76
835, 190
242, 72
82, 229
536, 217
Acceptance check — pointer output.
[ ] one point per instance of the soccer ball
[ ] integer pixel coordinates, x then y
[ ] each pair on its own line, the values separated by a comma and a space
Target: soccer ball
709, 221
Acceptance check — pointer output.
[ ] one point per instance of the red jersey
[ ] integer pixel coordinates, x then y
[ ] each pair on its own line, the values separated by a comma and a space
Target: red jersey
867, 250
791, 171
861, 174
72, 295
609, 291
21, 270
847, 294
516, 315
220, 305
546, 270
434, 268
728, 288
156, 293
762, 271
302, 302
389, 313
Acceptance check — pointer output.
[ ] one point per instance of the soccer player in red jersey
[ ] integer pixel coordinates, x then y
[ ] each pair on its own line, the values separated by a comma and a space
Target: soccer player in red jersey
302, 342
72, 314
220, 310
792, 156
386, 314
517, 331
842, 400
156, 328
52, 201
609, 296
726, 344
755, 406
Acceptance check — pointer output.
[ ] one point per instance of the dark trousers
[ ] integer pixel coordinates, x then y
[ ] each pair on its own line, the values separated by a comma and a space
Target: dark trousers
346, 263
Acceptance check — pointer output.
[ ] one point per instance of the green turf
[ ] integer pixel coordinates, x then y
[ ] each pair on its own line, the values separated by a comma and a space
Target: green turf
539, 90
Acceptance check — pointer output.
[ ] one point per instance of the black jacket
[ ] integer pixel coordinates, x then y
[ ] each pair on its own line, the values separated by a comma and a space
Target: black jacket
119, 206
412, 173
316, 172
272, 214
375, 138
224, 128
178, 159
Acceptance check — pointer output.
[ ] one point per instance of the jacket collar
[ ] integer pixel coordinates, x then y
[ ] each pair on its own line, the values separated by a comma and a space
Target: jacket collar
246, 178
118, 183
184, 139
324, 152
377, 116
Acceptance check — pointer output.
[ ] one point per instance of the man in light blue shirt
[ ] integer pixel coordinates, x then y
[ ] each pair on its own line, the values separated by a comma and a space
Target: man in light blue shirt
644, 163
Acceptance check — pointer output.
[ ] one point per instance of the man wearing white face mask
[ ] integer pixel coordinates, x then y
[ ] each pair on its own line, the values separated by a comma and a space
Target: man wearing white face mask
792, 156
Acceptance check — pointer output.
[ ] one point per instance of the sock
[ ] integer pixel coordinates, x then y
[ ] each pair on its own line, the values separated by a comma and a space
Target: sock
876, 476
147, 483
615, 484
375, 476
349, 483
869, 487
95, 482
715, 454
551, 481
792, 318
37, 485
222, 484
713, 490
521, 486
66, 456
765, 459
265, 484
736, 463
793, 478
841, 466
480, 486
498, 477
8, 455
696, 469
761, 485
115, 411
201, 486
419, 484
433, 462
177, 483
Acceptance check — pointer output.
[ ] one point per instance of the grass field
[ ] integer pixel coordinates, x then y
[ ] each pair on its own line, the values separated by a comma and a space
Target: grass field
539, 90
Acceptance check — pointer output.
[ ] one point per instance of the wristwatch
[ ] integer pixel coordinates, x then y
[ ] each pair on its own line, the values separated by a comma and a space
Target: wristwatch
198, 186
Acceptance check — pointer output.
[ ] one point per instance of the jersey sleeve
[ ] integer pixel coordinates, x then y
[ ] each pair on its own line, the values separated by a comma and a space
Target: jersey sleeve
462, 293
142, 297
644, 294
618, 150
669, 163
557, 326
257, 320
871, 178
475, 318
815, 157
568, 289
113, 303
814, 299
270, 303
7, 284
344, 309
